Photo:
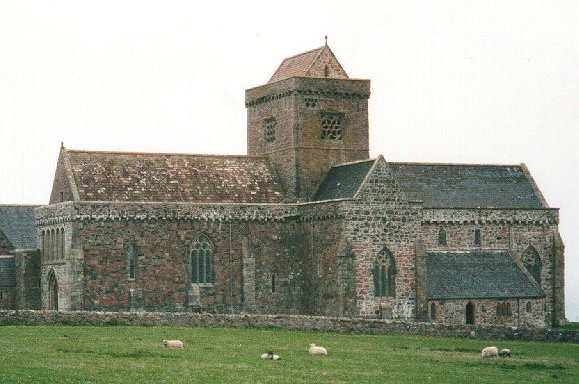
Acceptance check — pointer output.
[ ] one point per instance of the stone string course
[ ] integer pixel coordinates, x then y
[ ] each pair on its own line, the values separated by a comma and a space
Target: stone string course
293, 322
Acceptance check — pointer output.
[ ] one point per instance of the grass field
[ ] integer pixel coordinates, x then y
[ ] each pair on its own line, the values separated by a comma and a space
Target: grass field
79, 354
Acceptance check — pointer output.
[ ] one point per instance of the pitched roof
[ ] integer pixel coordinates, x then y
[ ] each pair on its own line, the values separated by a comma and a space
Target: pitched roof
17, 224
310, 64
343, 181
468, 186
477, 274
159, 177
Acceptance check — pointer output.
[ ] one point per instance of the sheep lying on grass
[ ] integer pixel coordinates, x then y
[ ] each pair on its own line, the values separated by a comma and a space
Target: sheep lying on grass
317, 350
505, 352
270, 356
489, 353
173, 344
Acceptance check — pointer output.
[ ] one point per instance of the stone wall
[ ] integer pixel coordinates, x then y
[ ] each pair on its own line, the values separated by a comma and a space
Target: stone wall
316, 323
28, 279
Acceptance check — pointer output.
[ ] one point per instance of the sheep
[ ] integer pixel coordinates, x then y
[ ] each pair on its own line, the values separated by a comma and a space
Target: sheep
270, 356
489, 352
505, 352
317, 350
175, 344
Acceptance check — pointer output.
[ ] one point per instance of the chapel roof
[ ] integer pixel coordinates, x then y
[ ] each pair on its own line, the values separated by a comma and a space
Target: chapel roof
477, 274
167, 177
320, 63
443, 185
468, 185
17, 224
343, 181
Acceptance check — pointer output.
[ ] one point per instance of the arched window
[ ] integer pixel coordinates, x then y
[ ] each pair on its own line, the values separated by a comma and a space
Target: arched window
57, 245
43, 245
432, 311
51, 249
477, 236
532, 263
62, 243
441, 236
384, 275
202, 260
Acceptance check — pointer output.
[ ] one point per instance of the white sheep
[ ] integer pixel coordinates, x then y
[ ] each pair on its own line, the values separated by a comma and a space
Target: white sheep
175, 344
505, 352
270, 356
489, 352
317, 350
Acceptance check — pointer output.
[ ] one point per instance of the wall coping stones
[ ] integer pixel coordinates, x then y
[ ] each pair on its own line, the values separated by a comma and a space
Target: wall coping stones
292, 322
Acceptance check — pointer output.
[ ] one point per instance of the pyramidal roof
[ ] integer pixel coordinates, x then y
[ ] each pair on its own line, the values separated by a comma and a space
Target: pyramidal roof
319, 63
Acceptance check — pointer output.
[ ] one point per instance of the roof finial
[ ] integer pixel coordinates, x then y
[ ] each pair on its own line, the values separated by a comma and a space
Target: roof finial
326, 38
62, 144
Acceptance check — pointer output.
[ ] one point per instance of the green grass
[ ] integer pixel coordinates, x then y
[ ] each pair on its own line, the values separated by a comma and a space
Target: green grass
84, 354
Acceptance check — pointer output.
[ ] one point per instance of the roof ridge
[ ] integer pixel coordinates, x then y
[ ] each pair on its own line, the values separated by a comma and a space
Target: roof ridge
454, 164
20, 205
352, 162
164, 154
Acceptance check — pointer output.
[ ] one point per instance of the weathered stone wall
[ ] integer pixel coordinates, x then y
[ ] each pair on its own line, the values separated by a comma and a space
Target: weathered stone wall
510, 229
524, 312
382, 219
317, 323
61, 188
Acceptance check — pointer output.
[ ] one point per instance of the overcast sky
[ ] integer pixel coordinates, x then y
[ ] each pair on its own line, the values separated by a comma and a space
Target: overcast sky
452, 81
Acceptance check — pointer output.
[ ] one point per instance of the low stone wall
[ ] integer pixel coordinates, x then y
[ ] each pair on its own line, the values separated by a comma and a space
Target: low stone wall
319, 323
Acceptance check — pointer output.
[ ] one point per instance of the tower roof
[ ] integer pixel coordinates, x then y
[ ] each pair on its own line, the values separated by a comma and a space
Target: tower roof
320, 63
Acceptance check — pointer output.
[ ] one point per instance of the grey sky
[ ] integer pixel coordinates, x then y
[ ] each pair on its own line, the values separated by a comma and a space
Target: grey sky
452, 81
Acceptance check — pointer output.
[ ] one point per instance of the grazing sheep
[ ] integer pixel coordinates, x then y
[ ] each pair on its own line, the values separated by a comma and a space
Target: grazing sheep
173, 344
505, 352
317, 350
489, 352
270, 356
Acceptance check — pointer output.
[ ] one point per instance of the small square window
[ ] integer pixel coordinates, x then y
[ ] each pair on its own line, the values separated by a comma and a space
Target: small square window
331, 126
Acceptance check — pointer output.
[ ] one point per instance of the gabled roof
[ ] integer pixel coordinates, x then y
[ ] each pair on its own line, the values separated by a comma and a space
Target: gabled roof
468, 186
320, 62
343, 181
162, 177
17, 224
477, 274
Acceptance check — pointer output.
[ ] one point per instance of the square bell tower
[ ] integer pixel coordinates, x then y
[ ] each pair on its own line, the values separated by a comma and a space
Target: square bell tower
307, 118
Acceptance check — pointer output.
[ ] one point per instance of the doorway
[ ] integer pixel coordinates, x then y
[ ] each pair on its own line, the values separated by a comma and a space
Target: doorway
470, 313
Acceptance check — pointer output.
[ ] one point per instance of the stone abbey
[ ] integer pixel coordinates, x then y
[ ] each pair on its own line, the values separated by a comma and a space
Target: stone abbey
306, 223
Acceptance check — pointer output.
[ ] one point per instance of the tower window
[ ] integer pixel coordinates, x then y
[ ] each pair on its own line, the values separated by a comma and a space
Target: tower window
269, 129
132, 256
311, 103
477, 237
441, 236
331, 126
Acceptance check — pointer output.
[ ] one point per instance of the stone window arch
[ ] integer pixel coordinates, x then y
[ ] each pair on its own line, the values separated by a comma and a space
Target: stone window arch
62, 248
384, 274
57, 245
532, 262
442, 236
43, 244
202, 253
469, 313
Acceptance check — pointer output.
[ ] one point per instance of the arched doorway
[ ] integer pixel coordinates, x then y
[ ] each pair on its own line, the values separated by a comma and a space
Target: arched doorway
469, 313
52, 292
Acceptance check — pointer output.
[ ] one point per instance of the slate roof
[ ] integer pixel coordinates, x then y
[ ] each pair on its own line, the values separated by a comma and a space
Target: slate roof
17, 224
477, 274
343, 181
468, 186
158, 177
